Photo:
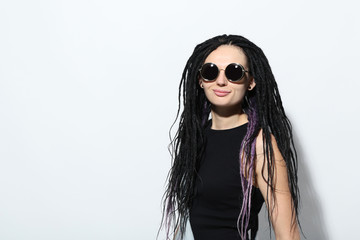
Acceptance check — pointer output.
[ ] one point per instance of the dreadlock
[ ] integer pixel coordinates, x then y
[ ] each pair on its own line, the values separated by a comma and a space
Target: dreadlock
265, 112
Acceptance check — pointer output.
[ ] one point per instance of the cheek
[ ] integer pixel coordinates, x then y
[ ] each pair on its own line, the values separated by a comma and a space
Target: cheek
207, 92
240, 94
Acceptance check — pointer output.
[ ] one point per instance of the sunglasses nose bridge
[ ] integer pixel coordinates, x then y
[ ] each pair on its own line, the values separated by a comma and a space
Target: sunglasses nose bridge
221, 78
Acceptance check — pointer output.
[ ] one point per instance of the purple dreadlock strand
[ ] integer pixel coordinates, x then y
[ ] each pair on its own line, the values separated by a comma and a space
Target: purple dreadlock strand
247, 159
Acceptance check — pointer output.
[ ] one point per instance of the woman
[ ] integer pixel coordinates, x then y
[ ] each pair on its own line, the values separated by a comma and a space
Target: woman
226, 167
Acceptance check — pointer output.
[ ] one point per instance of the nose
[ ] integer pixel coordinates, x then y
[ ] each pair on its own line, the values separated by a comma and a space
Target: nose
221, 79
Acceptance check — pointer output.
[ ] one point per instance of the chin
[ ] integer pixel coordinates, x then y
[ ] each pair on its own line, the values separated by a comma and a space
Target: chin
226, 105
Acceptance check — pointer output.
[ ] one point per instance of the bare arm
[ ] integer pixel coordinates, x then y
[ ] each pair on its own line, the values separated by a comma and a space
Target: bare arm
176, 232
282, 217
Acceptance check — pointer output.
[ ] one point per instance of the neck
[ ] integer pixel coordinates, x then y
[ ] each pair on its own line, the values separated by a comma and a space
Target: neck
227, 118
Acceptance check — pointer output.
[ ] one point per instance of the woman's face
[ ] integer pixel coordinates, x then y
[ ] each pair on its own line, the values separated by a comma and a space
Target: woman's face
221, 92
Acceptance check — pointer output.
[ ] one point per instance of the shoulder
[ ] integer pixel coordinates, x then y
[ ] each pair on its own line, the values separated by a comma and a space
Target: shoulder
268, 162
260, 147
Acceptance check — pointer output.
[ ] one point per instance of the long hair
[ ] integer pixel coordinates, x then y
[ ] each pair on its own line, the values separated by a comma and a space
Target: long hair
265, 112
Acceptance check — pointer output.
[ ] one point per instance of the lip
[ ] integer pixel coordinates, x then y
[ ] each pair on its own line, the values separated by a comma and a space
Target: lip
220, 92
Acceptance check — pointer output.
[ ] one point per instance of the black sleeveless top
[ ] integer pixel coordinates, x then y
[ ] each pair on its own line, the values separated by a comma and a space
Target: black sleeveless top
218, 192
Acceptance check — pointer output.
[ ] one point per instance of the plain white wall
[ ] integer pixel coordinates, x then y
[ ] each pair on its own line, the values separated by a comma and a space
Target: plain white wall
88, 91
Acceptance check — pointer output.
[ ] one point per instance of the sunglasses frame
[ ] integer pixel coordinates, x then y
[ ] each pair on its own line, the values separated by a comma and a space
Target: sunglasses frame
219, 69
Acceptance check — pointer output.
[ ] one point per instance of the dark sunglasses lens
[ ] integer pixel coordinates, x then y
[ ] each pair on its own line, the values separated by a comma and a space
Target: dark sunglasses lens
209, 72
234, 72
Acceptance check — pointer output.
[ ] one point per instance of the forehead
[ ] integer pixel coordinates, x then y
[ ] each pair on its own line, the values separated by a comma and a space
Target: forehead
226, 54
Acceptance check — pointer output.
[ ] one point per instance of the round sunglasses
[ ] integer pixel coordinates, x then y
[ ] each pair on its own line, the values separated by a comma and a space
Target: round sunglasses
234, 72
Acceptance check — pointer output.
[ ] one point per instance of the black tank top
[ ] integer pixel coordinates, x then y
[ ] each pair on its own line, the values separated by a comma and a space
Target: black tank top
218, 193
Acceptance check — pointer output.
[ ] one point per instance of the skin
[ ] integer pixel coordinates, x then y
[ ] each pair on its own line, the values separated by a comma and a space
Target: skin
227, 113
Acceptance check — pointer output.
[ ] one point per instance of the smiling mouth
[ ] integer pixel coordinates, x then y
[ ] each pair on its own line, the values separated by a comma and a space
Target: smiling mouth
221, 93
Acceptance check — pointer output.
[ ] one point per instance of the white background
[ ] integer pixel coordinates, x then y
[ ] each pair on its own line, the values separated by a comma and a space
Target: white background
88, 91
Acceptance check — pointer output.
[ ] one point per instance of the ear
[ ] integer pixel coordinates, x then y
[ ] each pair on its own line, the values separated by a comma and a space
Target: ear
201, 83
252, 84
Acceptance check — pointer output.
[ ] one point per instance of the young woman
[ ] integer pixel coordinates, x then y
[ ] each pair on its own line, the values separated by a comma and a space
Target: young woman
233, 149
